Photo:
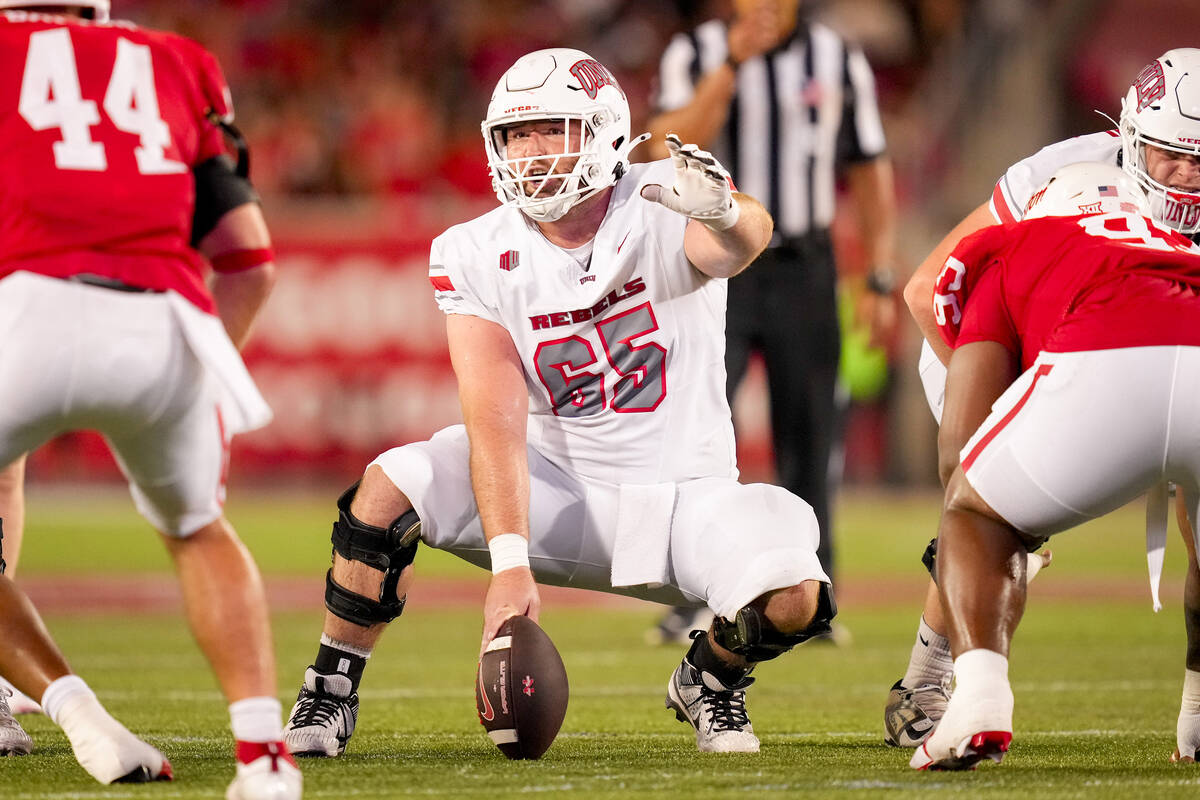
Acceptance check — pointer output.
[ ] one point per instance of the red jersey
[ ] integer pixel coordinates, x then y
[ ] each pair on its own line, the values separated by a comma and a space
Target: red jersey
1064, 284
100, 126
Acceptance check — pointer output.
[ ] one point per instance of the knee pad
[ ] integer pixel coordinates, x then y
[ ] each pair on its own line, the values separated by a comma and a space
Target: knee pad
929, 557
752, 636
388, 550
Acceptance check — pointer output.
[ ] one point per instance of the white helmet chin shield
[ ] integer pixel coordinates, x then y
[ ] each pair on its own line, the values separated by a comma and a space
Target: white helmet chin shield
100, 7
575, 95
1088, 188
1162, 109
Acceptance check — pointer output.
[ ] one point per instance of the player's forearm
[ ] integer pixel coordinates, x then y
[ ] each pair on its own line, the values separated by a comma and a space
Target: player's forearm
500, 476
725, 253
240, 296
979, 373
701, 120
495, 407
240, 234
918, 292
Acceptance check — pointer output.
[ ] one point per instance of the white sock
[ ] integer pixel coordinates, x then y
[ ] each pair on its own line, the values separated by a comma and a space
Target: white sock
61, 692
354, 650
930, 659
979, 670
256, 719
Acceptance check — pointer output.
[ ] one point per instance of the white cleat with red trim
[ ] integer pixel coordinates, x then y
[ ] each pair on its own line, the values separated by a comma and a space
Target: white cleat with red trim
967, 754
977, 726
265, 771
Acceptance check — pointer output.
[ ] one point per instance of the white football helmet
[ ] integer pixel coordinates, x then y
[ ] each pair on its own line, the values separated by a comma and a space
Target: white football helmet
1162, 108
99, 7
1088, 188
558, 84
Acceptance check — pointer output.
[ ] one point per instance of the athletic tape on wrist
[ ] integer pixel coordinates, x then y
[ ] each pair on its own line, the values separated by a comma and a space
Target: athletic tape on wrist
509, 550
1191, 691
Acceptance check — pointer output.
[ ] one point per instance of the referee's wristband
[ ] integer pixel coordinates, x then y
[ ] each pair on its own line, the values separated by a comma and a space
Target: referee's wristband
509, 550
881, 281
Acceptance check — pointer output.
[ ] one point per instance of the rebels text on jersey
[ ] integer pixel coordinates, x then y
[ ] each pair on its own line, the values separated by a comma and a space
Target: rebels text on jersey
100, 126
623, 353
1066, 284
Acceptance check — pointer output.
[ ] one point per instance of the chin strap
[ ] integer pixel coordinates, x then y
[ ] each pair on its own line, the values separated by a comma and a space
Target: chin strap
634, 142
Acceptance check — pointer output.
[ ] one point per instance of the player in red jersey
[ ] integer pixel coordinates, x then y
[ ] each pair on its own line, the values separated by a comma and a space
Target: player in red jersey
1075, 361
117, 192
1157, 143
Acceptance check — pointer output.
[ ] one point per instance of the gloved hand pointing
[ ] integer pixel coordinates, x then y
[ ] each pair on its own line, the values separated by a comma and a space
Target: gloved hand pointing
702, 190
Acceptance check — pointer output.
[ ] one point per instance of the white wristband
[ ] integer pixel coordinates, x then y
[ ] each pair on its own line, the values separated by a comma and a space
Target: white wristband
509, 550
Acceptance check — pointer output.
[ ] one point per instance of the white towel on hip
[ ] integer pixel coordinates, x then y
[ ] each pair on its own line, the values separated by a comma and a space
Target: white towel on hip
643, 538
242, 406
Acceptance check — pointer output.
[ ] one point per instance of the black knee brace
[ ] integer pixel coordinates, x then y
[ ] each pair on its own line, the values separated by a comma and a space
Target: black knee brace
752, 636
929, 558
388, 550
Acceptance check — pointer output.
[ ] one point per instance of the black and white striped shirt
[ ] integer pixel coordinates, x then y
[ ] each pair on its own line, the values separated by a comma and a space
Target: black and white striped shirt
798, 111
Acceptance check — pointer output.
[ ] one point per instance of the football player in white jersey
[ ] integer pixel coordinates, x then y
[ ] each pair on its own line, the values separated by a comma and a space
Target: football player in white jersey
1158, 144
585, 320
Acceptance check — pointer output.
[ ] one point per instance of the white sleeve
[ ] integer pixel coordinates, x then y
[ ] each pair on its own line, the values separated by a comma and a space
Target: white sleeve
1014, 189
451, 289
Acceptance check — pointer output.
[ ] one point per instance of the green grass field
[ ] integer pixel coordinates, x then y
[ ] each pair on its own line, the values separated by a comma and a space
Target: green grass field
1096, 676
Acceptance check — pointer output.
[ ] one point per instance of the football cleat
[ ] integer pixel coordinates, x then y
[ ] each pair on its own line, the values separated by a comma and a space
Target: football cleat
265, 771
18, 702
976, 726
911, 714
324, 716
967, 754
677, 625
14, 741
716, 711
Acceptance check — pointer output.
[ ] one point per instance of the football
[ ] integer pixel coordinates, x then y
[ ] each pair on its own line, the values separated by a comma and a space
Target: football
521, 689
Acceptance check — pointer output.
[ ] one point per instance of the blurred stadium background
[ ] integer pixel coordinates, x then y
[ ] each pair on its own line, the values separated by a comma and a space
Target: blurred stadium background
363, 117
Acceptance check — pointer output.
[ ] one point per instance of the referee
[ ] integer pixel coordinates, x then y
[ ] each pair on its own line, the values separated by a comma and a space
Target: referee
784, 102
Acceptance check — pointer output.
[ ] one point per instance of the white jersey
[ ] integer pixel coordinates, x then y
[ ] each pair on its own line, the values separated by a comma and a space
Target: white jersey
623, 346
1013, 191
1010, 197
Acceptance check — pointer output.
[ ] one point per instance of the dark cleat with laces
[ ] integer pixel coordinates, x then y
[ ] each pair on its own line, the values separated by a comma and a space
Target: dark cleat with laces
324, 716
716, 711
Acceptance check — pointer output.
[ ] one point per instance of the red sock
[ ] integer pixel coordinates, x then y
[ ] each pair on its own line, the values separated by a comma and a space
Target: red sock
252, 751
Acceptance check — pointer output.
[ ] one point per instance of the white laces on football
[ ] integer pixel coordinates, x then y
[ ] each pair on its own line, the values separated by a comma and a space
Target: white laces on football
702, 190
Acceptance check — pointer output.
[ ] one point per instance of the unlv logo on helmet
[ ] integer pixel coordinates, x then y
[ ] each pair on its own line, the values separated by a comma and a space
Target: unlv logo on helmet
593, 76
1151, 85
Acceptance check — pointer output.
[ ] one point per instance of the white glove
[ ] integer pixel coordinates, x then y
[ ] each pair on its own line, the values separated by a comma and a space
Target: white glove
703, 189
